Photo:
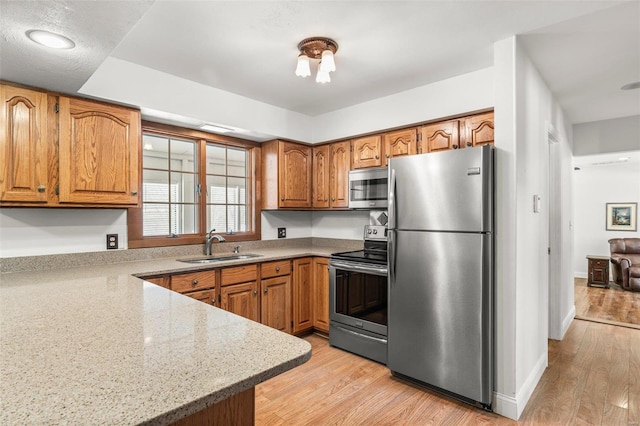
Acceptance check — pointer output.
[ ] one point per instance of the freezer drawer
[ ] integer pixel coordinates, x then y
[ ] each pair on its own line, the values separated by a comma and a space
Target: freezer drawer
361, 342
440, 311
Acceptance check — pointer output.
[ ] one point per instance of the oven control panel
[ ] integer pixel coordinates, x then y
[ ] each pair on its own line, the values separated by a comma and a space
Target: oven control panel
375, 233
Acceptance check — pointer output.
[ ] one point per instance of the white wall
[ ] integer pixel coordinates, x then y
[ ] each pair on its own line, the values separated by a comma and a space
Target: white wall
594, 187
465, 93
298, 224
346, 225
524, 112
32, 232
619, 134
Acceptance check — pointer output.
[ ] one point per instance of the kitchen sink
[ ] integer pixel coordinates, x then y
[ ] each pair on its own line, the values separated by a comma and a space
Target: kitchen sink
219, 258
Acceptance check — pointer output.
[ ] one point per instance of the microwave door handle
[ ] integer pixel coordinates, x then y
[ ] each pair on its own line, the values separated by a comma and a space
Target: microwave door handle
392, 199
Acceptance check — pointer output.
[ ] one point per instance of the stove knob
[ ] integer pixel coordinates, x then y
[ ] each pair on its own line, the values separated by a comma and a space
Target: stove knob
369, 231
375, 231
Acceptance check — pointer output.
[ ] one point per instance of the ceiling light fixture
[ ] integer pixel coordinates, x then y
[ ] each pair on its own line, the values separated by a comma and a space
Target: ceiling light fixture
321, 48
49, 39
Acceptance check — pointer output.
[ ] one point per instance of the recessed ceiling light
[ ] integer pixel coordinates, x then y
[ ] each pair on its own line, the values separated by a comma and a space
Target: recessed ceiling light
49, 39
623, 159
214, 128
631, 86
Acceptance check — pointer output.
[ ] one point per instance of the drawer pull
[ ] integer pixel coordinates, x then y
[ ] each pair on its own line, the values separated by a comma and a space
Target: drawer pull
277, 269
194, 282
255, 292
41, 188
266, 290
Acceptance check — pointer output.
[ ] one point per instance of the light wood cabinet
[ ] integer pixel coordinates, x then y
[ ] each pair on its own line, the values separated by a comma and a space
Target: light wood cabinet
302, 294
331, 165
441, 136
339, 179
366, 152
321, 294
399, 143
321, 176
477, 130
161, 281
192, 281
99, 149
206, 296
286, 175
241, 299
67, 152
275, 303
23, 145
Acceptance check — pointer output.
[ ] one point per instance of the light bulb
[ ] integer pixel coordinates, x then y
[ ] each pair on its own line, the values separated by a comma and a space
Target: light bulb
322, 76
49, 39
303, 69
327, 63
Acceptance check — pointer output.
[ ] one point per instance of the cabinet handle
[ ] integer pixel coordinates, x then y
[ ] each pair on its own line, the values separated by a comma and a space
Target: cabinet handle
455, 146
326, 199
377, 157
266, 290
333, 199
469, 144
255, 292
388, 156
282, 199
41, 188
134, 192
213, 300
194, 282
277, 269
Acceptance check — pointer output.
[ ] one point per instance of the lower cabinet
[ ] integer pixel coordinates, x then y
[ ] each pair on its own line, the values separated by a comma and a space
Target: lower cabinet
302, 295
275, 304
239, 291
321, 294
289, 295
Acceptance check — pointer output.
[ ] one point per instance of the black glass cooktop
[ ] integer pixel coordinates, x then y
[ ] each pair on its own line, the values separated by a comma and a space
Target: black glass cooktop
377, 257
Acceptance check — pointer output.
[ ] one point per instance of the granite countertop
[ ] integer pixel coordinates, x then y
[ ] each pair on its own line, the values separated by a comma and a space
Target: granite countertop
96, 345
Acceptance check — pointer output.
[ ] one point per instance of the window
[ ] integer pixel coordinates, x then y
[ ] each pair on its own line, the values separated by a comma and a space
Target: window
193, 182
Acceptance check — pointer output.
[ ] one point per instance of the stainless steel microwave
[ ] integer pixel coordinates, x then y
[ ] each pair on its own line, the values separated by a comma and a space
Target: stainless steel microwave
368, 188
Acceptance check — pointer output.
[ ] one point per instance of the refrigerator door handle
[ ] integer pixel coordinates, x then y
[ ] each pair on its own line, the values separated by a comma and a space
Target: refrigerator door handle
392, 199
391, 249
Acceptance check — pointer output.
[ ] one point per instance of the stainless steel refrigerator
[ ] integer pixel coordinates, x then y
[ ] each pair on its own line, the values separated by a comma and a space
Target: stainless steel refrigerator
441, 271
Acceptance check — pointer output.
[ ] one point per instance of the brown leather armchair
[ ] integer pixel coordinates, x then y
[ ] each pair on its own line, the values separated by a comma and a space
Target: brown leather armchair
625, 259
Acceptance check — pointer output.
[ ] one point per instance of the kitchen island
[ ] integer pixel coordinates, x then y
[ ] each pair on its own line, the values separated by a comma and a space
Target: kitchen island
96, 345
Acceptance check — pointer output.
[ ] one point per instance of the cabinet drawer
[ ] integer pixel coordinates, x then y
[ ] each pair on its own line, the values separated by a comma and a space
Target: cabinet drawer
206, 296
193, 281
276, 269
600, 263
240, 274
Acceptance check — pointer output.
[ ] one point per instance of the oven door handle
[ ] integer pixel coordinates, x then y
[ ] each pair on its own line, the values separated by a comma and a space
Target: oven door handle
361, 335
350, 267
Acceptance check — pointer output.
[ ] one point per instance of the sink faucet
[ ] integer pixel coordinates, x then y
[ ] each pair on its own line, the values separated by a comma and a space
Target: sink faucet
208, 239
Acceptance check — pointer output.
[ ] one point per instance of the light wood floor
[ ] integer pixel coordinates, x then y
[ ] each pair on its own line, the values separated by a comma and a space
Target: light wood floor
613, 305
593, 377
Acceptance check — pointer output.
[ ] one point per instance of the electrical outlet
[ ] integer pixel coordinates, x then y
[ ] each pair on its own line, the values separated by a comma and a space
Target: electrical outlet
112, 241
282, 232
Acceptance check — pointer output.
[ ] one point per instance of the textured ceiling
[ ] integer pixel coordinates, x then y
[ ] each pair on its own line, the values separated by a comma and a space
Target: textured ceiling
585, 50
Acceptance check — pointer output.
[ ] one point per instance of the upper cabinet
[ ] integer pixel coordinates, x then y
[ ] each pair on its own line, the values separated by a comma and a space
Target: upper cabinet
478, 130
60, 151
440, 136
23, 144
339, 179
399, 143
366, 152
331, 165
286, 175
99, 148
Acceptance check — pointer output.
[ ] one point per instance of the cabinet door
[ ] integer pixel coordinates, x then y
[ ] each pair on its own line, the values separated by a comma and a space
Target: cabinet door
294, 175
206, 296
397, 144
99, 152
276, 303
340, 166
367, 152
302, 294
440, 136
321, 294
321, 176
161, 281
241, 299
23, 145
478, 130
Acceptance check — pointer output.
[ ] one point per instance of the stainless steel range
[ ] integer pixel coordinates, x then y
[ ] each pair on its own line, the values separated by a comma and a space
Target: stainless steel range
358, 297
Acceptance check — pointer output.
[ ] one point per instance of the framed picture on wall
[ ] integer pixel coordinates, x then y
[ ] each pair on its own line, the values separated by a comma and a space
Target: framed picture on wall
622, 216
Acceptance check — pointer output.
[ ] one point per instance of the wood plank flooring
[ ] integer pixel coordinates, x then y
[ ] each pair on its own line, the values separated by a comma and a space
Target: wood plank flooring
613, 305
593, 378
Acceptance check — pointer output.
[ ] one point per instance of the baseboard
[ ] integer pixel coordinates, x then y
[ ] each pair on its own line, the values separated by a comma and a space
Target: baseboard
511, 407
580, 275
566, 322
